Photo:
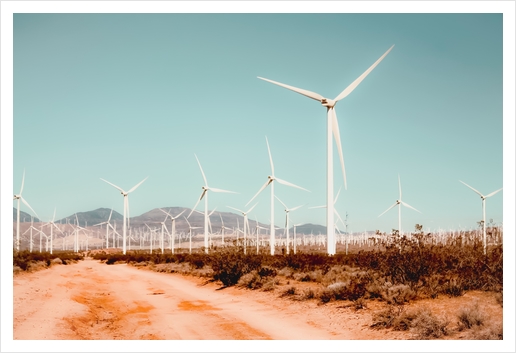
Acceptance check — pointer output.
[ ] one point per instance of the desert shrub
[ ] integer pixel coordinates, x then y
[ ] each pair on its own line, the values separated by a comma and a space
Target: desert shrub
312, 276
230, 264
453, 287
493, 332
426, 325
471, 316
270, 284
499, 298
385, 318
308, 294
403, 322
360, 303
28, 261
289, 292
286, 272
398, 294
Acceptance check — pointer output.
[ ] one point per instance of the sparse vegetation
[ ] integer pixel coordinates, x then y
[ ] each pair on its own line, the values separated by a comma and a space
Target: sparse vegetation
32, 261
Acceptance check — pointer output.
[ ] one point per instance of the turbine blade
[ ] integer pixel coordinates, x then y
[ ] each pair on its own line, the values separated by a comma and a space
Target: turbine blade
355, 83
295, 208
195, 205
337, 197
387, 209
251, 208
23, 182
134, 187
478, 192
281, 202
270, 155
202, 172
336, 134
324, 206
236, 209
179, 214
110, 215
220, 190
212, 212
494, 192
120, 189
27, 204
259, 191
281, 181
304, 92
407, 205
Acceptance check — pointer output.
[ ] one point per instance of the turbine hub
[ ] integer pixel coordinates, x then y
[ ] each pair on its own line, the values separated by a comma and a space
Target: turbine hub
329, 103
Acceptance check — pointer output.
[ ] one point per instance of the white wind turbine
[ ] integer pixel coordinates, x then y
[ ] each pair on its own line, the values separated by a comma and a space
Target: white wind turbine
398, 203
52, 225
126, 208
287, 212
19, 197
246, 223
483, 210
190, 227
332, 127
173, 227
270, 181
108, 225
204, 193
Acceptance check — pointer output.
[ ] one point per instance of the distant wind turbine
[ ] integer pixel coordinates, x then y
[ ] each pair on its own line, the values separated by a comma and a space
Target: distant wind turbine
270, 181
287, 212
126, 208
246, 223
173, 235
398, 203
483, 210
190, 228
19, 197
332, 127
204, 193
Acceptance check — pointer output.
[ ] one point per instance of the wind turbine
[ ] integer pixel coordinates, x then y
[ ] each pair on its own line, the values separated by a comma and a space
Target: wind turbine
108, 225
205, 189
190, 227
287, 211
332, 127
398, 203
270, 181
52, 224
126, 207
19, 197
246, 223
483, 210
173, 227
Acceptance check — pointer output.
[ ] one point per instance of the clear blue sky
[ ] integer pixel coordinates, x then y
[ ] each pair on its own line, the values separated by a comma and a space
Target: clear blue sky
126, 96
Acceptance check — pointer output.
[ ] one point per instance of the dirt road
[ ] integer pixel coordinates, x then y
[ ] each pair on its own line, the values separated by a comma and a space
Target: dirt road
93, 301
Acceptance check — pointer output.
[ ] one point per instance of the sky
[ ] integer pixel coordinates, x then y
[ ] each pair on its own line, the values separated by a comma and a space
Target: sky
126, 96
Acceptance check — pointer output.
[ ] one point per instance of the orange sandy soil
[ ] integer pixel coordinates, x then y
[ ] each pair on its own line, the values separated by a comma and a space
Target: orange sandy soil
90, 300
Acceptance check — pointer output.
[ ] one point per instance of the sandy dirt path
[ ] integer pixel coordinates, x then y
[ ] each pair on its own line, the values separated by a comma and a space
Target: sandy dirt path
94, 301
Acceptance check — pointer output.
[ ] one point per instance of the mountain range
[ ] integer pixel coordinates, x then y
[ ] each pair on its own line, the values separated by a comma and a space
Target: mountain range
154, 217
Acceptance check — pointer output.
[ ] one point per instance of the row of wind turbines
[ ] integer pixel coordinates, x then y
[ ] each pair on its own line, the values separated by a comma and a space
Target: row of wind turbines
332, 132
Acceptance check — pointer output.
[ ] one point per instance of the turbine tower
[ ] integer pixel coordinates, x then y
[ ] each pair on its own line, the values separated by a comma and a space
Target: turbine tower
398, 203
270, 181
204, 193
172, 245
483, 210
332, 127
19, 197
126, 207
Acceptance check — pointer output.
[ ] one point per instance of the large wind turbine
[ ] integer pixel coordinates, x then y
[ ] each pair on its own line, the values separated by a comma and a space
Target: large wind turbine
398, 203
19, 197
332, 127
126, 207
204, 193
287, 212
246, 223
270, 181
483, 210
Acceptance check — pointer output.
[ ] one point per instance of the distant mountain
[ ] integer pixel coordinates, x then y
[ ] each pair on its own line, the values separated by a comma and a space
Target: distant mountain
154, 217
92, 217
24, 216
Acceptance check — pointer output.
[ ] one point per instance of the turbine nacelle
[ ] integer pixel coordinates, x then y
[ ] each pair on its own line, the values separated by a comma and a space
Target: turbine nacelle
328, 103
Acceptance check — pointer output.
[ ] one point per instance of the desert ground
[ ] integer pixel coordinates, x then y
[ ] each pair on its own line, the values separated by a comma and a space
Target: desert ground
90, 300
